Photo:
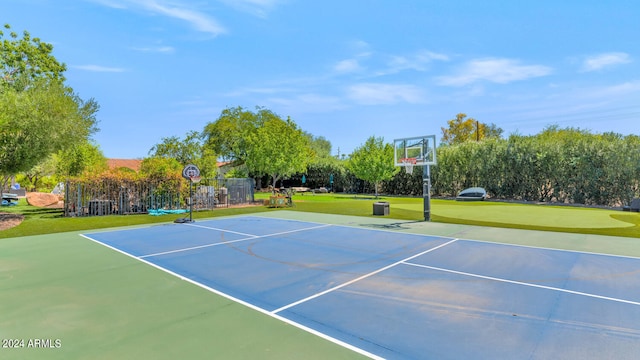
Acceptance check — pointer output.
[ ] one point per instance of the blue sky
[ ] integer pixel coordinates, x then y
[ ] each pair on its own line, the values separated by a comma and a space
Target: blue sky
345, 70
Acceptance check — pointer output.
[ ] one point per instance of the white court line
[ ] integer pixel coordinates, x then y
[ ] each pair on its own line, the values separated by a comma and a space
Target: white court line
524, 284
251, 237
213, 228
404, 231
360, 278
249, 305
196, 247
550, 248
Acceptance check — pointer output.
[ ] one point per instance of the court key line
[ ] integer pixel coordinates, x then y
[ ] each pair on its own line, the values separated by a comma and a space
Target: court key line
523, 283
360, 278
250, 237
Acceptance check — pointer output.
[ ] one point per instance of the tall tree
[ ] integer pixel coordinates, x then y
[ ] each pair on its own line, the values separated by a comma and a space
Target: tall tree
463, 129
39, 115
373, 162
44, 118
189, 150
320, 146
227, 136
35, 175
85, 157
185, 151
25, 59
278, 148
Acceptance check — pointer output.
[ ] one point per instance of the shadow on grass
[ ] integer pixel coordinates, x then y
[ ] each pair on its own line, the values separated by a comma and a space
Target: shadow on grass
42, 212
393, 226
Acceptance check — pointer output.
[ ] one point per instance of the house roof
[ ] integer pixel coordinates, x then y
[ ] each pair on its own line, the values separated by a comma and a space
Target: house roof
133, 164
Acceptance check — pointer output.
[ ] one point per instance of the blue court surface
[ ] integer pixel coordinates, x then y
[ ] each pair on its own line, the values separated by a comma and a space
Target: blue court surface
388, 294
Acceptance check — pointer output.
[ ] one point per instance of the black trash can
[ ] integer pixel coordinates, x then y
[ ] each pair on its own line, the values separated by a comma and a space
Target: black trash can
381, 208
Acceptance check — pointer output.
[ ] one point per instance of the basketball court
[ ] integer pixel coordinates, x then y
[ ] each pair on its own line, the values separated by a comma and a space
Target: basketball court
384, 292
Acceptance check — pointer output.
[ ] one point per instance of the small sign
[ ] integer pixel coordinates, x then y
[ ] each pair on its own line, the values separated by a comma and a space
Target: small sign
190, 171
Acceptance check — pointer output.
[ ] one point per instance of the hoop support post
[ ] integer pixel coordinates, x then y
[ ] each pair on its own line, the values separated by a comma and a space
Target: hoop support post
426, 191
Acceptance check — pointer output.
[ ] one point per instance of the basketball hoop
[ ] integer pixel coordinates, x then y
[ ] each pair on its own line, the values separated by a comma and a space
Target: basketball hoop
195, 179
408, 164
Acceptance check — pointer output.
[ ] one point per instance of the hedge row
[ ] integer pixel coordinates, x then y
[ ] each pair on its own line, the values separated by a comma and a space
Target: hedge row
567, 166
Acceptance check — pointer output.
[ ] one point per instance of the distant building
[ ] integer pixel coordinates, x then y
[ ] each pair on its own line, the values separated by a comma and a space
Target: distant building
133, 164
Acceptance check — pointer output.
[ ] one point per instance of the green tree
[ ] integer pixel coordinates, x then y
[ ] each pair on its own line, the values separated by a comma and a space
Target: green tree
185, 151
278, 148
227, 136
39, 115
189, 150
463, 129
78, 159
35, 175
25, 59
373, 162
320, 146
158, 168
40, 120
163, 171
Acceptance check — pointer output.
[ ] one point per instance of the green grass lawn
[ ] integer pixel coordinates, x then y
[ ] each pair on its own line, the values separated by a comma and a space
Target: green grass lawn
48, 221
486, 213
495, 214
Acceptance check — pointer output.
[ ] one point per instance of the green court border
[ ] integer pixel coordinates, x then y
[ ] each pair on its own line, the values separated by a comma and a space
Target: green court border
102, 304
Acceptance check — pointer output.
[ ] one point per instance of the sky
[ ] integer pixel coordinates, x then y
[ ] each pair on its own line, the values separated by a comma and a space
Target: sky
344, 70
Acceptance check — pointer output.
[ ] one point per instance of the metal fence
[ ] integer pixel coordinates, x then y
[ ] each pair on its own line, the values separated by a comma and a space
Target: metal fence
110, 197
215, 192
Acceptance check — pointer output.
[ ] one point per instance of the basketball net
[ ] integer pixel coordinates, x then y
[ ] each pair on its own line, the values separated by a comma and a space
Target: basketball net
195, 179
408, 164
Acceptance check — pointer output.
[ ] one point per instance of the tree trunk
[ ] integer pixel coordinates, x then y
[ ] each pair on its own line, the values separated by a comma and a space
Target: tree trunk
5, 179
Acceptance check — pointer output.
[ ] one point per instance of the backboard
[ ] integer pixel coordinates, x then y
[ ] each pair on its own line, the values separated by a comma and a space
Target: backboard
421, 148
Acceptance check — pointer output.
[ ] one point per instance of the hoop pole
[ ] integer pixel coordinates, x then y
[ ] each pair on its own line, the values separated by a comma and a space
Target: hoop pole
190, 200
426, 191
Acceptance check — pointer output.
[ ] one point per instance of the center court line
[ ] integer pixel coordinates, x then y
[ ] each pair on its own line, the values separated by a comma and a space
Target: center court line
360, 278
250, 237
523, 283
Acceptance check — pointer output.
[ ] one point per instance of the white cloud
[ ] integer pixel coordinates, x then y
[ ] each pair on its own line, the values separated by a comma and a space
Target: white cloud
156, 49
116, 4
385, 94
259, 8
197, 19
98, 68
308, 103
417, 62
347, 66
614, 91
360, 47
501, 71
598, 62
